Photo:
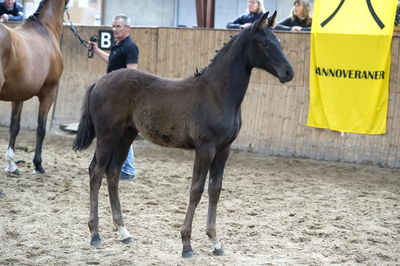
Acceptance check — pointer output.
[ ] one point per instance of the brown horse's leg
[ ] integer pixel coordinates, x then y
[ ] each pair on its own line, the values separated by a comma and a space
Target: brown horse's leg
214, 190
16, 108
203, 158
45, 101
119, 152
96, 176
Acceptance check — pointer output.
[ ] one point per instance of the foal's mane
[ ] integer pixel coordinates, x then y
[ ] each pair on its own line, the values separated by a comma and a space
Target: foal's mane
220, 53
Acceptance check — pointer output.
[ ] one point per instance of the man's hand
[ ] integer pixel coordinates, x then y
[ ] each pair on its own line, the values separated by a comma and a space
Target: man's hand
4, 17
92, 45
296, 28
245, 25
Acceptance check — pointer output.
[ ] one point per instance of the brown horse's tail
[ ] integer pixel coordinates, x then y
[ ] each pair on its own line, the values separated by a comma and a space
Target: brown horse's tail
86, 132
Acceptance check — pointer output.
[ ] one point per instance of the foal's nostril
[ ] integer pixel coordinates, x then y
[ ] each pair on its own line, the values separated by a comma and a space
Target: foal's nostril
289, 74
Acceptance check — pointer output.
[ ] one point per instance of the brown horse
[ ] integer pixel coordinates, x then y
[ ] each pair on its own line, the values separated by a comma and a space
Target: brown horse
31, 65
201, 112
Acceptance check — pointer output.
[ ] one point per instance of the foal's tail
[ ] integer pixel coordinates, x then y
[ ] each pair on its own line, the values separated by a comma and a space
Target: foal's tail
86, 132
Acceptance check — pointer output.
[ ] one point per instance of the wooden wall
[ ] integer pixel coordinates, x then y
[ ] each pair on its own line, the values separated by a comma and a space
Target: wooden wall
274, 114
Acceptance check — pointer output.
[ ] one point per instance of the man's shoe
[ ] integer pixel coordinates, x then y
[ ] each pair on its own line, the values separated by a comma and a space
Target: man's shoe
124, 176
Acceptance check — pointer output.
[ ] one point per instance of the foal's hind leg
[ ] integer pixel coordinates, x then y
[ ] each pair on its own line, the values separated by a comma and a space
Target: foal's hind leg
96, 176
103, 163
214, 191
119, 152
202, 161
16, 108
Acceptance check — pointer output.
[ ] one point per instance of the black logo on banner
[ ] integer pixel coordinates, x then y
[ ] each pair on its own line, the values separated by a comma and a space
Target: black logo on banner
370, 8
349, 73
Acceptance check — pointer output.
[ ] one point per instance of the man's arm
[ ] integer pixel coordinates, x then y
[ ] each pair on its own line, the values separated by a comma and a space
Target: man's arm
103, 55
131, 56
15, 18
235, 24
133, 66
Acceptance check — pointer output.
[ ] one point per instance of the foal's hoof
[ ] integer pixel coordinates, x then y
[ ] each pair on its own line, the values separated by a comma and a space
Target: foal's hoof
187, 254
96, 242
127, 240
39, 171
218, 251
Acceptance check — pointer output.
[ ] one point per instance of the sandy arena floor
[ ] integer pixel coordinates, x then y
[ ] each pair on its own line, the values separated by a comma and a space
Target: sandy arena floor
273, 210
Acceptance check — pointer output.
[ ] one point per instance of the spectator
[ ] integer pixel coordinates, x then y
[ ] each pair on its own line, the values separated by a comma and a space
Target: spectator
300, 19
124, 54
11, 11
255, 10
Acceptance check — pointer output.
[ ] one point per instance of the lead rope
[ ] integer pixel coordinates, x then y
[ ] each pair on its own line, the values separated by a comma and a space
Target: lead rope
82, 41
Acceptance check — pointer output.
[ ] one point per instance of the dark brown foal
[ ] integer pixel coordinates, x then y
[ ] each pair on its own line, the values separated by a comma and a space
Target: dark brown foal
201, 112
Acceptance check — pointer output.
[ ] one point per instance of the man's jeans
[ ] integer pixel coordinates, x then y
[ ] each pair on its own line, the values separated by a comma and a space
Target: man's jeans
128, 166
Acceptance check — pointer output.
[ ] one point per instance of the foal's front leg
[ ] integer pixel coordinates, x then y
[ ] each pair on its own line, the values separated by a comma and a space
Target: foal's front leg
202, 161
214, 191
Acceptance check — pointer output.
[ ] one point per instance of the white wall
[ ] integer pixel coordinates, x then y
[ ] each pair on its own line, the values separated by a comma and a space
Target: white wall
225, 11
171, 13
142, 12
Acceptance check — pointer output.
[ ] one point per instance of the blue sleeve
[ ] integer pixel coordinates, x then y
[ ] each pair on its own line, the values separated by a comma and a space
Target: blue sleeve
20, 16
284, 24
235, 24
132, 54
16, 18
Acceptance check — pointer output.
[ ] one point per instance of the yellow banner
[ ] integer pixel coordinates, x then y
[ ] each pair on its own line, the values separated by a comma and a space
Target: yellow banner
350, 64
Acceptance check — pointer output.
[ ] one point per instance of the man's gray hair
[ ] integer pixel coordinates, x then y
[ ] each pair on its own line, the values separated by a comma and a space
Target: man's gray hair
125, 19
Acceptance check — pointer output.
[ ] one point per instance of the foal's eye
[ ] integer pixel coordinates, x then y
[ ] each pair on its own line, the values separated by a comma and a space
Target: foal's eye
264, 43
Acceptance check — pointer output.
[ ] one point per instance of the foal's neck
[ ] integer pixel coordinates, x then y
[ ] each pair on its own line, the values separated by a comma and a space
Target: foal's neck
229, 72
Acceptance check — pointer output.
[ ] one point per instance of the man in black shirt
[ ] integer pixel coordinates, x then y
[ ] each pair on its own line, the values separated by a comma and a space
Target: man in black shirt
124, 54
11, 11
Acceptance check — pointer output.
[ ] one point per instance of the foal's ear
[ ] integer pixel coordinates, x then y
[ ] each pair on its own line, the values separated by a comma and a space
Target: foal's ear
271, 20
260, 24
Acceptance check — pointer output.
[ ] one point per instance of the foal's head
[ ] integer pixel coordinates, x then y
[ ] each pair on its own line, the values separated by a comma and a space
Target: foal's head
264, 50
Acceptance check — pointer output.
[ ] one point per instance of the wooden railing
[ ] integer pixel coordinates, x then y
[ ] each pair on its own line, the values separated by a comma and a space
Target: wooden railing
274, 114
